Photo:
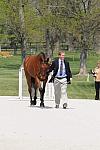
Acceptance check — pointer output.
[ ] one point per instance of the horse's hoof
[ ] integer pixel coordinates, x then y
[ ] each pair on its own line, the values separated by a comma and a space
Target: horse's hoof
33, 103
41, 104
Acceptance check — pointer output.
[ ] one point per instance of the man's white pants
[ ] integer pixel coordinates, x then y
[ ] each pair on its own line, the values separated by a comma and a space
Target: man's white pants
60, 87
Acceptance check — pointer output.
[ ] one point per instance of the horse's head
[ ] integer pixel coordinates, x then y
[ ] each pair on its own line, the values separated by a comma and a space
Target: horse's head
43, 73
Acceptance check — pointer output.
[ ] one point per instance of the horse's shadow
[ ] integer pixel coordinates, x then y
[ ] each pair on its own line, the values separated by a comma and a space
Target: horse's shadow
45, 107
48, 107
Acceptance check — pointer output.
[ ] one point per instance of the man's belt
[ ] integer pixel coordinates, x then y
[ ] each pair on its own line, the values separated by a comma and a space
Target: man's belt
60, 77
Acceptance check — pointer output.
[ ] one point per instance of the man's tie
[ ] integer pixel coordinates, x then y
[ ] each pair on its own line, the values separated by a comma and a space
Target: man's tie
61, 68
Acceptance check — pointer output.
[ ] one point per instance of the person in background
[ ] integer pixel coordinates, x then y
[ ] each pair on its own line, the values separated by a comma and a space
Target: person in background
61, 77
96, 74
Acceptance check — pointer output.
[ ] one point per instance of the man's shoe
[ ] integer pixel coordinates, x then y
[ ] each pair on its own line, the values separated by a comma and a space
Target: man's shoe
64, 105
57, 106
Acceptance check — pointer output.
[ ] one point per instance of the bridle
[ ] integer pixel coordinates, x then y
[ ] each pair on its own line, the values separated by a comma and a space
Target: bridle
40, 74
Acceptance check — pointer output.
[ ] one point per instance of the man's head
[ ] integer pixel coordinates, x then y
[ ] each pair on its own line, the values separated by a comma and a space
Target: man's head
61, 55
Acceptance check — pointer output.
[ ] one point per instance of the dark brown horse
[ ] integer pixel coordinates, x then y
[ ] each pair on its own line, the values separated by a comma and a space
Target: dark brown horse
36, 71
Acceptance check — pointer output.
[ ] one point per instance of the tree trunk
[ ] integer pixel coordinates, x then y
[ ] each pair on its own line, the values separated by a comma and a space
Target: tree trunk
57, 46
49, 51
22, 32
83, 57
71, 44
97, 42
23, 49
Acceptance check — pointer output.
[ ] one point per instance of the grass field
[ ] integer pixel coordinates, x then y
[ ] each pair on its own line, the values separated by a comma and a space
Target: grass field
9, 68
81, 87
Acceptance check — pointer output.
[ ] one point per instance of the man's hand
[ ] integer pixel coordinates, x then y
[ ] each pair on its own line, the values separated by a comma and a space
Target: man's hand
51, 80
69, 82
70, 79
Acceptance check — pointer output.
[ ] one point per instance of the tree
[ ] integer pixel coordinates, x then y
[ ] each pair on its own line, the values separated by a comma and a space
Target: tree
3, 34
54, 21
22, 22
16, 22
83, 22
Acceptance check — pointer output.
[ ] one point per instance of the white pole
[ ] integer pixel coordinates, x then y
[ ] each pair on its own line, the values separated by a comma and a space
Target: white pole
0, 48
49, 91
88, 76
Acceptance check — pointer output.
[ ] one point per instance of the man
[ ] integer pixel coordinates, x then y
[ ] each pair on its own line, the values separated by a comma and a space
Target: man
61, 77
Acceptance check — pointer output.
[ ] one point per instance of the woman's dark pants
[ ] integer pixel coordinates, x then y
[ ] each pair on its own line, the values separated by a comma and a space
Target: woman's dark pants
97, 88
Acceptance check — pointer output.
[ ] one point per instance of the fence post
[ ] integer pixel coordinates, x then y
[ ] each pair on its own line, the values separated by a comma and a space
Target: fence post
88, 76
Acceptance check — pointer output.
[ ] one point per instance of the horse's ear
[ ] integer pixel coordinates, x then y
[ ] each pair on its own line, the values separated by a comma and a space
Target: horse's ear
42, 57
47, 59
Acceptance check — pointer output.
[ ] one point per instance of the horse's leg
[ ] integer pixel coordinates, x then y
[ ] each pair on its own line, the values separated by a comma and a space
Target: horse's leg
35, 96
42, 91
30, 90
28, 77
33, 92
31, 101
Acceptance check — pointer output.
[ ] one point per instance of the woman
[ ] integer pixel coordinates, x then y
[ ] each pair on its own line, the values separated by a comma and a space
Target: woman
96, 74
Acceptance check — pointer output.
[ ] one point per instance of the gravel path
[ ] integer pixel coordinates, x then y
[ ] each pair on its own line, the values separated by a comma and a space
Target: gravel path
33, 128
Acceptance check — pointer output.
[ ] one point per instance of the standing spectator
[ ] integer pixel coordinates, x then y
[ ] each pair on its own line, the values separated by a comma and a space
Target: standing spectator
61, 77
96, 74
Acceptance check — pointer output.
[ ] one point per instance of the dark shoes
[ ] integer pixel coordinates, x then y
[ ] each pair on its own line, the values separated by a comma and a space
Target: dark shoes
64, 105
32, 103
57, 106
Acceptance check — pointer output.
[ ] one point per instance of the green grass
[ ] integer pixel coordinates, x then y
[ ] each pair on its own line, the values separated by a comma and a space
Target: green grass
80, 87
9, 68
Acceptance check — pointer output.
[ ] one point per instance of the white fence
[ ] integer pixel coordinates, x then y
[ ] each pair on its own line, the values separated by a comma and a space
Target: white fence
23, 90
